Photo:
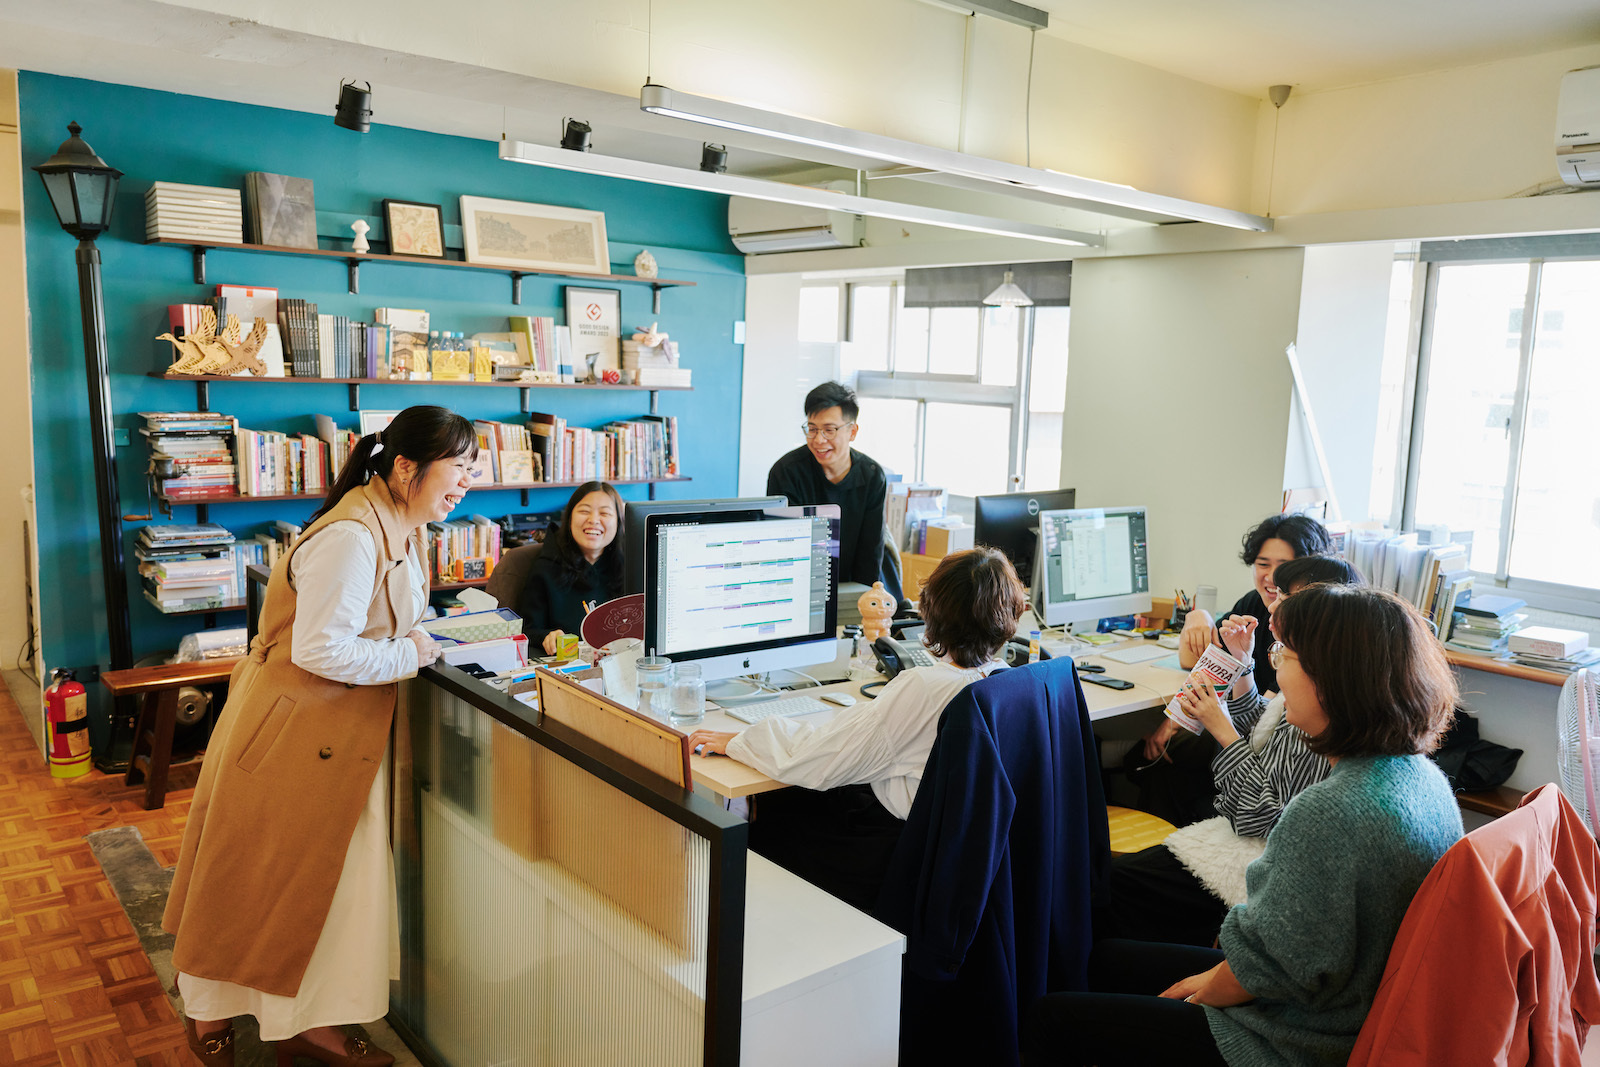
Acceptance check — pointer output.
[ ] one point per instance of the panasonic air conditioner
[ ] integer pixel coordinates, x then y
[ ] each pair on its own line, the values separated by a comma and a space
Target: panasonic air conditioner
1578, 128
759, 226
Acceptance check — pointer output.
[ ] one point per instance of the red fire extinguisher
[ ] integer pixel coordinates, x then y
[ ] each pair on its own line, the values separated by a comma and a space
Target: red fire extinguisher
66, 723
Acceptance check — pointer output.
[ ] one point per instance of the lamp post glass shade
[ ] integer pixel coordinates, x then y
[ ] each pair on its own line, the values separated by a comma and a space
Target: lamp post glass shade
82, 189
1008, 295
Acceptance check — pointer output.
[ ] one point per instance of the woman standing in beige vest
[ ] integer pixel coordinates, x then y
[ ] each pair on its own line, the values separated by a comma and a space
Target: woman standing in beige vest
283, 903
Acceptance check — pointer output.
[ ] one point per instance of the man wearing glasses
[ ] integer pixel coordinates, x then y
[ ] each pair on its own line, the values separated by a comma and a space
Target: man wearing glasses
826, 470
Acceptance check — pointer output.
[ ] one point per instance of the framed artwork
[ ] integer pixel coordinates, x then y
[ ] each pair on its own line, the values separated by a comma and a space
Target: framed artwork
374, 421
508, 233
414, 229
594, 318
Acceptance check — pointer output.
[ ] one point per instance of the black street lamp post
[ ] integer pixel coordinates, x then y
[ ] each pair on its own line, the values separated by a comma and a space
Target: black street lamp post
83, 190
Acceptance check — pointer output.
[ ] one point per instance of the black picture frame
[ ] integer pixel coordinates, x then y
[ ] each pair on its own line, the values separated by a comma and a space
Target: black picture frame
412, 228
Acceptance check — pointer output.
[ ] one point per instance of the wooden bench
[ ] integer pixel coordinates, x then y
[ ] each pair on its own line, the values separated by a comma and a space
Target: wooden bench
158, 716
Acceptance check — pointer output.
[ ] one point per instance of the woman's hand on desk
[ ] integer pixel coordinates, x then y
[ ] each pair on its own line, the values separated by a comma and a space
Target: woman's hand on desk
552, 641
427, 647
710, 742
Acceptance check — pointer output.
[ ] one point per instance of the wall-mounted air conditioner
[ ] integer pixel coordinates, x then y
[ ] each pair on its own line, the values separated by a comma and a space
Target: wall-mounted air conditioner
1578, 128
759, 226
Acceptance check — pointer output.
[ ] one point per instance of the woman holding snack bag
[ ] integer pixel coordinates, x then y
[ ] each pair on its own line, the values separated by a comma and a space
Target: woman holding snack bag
1180, 890
1299, 963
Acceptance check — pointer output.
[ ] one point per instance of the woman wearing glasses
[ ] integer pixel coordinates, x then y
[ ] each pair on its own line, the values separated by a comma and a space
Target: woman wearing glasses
826, 470
1181, 889
1298, 964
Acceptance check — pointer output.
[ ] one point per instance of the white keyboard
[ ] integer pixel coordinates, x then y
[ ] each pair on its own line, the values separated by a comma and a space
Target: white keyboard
787, 706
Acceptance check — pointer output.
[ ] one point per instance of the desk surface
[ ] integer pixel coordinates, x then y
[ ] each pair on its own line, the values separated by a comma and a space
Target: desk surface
1153, 687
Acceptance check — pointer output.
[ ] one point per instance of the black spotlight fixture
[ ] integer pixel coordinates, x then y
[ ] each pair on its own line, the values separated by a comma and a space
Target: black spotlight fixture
355, 107
575, 136
713, 158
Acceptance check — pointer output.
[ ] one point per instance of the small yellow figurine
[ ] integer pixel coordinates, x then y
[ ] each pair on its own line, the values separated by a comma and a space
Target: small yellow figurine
877, 608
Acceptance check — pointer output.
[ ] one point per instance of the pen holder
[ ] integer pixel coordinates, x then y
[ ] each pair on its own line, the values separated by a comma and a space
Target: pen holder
1178, 615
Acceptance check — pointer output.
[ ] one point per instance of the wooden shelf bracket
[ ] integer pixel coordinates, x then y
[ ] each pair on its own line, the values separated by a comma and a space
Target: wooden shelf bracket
199, 265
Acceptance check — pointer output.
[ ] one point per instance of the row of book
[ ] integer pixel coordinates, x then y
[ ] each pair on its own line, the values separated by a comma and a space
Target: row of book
628, 449
549, 347
454, 541
1430, 569
278, 464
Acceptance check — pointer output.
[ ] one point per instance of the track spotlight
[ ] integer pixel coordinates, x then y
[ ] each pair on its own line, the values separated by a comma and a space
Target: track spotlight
575, 137
355, 107
713, 158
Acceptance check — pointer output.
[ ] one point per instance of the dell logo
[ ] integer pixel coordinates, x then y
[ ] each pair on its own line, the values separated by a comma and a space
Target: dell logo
1033, 506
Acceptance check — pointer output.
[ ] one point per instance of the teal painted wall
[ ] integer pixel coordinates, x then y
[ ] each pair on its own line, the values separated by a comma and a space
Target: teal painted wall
157, 136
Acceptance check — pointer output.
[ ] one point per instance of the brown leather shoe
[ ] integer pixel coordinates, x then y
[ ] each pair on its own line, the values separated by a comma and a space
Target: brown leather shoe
358, 1052
213, 1050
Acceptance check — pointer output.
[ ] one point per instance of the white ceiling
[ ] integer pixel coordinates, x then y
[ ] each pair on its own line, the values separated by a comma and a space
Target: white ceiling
1247, 45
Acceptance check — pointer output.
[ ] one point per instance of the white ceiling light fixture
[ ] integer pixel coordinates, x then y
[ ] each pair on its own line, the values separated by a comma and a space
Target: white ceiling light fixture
783, 193
1008, 295
944, 164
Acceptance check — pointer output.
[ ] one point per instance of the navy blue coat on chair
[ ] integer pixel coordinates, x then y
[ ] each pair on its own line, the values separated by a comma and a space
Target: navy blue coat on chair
992, 877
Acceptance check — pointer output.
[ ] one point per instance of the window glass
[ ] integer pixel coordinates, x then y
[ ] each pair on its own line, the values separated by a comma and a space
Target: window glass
819, 313
1391, 391
869, 330
1047, 398
1556, 528
911, 341
1472, 379
889, 434
1002, 341
952, 341
967, 448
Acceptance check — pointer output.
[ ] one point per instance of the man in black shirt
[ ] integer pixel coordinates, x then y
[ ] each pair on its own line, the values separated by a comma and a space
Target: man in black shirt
826, 470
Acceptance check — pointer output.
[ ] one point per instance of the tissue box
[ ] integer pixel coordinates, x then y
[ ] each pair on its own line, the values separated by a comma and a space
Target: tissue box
1549, 641
476, 625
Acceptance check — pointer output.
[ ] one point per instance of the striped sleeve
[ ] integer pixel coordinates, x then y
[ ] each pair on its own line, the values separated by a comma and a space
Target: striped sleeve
1254, 787
1245, 711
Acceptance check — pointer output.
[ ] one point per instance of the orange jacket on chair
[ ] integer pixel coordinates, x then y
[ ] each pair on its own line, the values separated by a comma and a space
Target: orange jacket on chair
1494, 962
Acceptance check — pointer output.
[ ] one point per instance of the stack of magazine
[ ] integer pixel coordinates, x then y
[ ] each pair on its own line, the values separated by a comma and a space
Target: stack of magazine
1485, 623
188, 567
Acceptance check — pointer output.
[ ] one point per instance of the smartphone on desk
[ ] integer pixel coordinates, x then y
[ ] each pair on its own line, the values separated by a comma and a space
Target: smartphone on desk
1109, 683
895, 656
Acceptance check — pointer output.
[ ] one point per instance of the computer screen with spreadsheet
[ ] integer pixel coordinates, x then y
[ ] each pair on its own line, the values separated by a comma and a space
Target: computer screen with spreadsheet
743, 595
1092, 563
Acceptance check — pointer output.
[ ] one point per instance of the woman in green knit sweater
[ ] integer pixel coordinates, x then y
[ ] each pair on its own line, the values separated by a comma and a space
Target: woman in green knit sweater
1300, 961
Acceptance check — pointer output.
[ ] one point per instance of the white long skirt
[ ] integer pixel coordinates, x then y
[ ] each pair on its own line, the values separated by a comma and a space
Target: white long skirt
357, 954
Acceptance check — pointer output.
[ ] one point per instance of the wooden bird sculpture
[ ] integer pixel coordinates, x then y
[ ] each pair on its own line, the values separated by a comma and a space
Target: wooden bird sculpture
203, 351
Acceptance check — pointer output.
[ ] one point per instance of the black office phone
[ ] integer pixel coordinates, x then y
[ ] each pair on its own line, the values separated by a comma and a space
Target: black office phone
894, 656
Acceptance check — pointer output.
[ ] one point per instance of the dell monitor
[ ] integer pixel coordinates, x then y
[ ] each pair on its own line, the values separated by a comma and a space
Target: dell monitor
1010, 522
741, 594
1092, 564
634, 514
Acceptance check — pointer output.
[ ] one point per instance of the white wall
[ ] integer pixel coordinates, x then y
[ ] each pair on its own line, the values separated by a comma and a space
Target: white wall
1177, 398
1344, 308
778, 372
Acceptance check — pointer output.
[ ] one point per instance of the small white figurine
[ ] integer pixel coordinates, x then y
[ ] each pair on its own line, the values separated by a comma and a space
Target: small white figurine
649, 338
644, 264
360, 243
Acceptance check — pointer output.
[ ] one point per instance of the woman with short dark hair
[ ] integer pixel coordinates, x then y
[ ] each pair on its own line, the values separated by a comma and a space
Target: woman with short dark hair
578, 566
1298, 964
860, 770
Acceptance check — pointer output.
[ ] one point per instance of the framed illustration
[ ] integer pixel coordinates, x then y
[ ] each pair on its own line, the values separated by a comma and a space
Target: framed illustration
508, 233
375, 421
414, 229
594, 318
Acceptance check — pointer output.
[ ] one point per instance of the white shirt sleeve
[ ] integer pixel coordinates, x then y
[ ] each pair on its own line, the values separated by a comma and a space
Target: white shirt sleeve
332, 578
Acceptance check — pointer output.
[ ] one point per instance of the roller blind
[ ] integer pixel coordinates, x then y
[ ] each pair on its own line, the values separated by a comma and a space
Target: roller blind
1047, 284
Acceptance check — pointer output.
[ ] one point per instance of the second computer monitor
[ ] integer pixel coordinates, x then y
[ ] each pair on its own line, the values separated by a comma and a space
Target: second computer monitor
1009, 521
1093, 564
634, 514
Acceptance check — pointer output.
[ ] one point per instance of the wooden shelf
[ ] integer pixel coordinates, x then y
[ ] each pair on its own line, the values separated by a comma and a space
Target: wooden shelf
446, 587
353, 261
407, 381
1509, 668
239, 498
226, 605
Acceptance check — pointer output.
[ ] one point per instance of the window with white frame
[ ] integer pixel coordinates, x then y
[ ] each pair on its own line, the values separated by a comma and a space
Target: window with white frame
1502, 437
967, 397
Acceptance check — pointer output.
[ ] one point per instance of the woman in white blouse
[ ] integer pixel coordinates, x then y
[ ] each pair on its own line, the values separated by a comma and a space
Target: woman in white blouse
283, 904
859, 771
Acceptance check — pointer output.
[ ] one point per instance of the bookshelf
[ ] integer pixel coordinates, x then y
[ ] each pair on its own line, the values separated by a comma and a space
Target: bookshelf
353, 261
168, 502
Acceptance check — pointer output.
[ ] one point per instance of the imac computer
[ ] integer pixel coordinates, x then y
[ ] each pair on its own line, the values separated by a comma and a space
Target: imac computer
634, 514
1010, 522
742, 594
1092, 564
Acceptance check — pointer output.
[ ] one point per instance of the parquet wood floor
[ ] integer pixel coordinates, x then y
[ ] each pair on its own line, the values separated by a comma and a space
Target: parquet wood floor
75, 987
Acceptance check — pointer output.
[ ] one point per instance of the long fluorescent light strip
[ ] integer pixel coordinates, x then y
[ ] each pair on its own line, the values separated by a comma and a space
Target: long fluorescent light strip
1106, 197
782, 193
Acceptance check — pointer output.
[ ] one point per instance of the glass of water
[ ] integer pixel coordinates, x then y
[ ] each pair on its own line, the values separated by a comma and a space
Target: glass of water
653, 676
688, 695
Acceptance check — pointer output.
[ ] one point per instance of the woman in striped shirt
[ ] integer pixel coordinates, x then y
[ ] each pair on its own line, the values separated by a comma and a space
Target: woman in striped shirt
1181, 890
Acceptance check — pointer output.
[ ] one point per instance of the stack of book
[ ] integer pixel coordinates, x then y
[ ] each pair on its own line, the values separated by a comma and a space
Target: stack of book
1485, 623
174, 212
1553, 649
282, 210
187, 567
454, 540
200, 445
298, 322
653, 364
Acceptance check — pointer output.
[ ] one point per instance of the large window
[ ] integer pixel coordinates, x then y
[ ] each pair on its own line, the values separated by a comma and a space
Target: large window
1503, 441
969, 398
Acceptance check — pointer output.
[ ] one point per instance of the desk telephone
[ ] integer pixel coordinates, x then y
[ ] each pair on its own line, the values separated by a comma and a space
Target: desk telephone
895, 656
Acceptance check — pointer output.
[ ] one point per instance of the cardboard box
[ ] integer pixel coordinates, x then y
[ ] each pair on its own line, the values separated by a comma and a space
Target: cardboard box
1161, 607
1549, 641
950, 535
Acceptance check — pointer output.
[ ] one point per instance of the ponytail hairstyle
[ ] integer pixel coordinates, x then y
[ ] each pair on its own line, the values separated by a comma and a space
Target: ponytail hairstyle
423, 433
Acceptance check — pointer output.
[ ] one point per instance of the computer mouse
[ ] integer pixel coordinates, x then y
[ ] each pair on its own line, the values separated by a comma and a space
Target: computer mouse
844, 700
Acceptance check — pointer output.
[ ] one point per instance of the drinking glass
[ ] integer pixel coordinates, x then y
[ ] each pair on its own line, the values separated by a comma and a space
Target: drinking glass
688, 695
654, 685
